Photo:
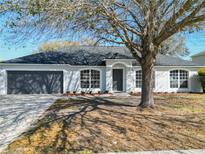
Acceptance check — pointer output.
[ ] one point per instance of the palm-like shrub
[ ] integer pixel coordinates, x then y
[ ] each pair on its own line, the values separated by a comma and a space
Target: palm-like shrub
201, 73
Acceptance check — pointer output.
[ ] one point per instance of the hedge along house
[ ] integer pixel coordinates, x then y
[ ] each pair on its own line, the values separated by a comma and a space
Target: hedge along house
93, 69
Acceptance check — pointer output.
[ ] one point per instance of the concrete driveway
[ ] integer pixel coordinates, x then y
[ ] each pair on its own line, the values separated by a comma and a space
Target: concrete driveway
18, 112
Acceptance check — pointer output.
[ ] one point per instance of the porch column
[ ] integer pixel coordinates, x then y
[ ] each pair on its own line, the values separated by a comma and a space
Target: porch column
130, 79
109, 79
3, 82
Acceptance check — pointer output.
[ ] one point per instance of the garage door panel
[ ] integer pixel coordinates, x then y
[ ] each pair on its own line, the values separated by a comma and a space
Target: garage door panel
35, 82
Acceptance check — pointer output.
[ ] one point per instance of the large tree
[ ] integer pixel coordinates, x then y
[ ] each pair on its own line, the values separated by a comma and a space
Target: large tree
140, 25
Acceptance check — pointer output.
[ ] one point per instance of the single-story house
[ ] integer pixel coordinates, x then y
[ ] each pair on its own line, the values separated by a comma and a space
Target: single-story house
199, 58
87, 68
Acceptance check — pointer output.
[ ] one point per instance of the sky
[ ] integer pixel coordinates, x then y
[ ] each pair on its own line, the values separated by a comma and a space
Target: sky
195, 42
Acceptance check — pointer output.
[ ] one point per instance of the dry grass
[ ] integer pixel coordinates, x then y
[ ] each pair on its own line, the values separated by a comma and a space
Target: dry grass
89, 125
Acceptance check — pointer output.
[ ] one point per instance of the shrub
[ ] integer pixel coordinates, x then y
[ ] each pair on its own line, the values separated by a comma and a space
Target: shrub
131, 93
201, 73
106, 92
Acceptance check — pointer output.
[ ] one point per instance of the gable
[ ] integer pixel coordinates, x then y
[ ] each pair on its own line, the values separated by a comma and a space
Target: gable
199, 60
199, 54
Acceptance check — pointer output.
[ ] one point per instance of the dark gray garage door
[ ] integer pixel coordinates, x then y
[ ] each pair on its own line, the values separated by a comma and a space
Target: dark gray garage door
34, 82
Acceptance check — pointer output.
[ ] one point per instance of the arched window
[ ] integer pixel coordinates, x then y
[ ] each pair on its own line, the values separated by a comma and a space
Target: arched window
90, 79
179, 79
139, 79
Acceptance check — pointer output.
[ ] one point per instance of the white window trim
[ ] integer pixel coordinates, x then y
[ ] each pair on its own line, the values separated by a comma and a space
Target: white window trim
90, 89
136, 79
155, 79
181, 89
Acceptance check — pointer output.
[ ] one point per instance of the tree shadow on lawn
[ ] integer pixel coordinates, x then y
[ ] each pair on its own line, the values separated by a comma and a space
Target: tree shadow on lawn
100, 125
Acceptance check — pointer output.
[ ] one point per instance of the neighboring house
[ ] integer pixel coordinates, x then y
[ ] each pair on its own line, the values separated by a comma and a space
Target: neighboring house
199, 58
94, 69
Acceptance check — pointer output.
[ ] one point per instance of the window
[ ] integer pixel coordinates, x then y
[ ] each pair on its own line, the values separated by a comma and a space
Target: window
174, 78
179, 79
183, 79
90, 79
95, 79
85, 78
139, 79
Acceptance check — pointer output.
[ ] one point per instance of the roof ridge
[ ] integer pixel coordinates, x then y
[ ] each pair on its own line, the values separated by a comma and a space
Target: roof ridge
94, 46
91, 46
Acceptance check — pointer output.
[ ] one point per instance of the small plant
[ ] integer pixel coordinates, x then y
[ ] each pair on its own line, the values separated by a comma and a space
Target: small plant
106, 91
85, 152
201, 73
131, 93
90, 92
74, 92
82, 93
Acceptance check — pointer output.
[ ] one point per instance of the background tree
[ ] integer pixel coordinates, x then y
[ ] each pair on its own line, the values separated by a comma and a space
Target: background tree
174, 46
201, 73
56, 45
140, 25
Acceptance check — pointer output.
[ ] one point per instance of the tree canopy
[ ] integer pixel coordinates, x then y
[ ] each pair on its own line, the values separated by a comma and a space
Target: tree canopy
174, 46
113, 21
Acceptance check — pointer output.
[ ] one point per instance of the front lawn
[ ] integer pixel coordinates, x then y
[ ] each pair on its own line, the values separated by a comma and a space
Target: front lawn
97, 124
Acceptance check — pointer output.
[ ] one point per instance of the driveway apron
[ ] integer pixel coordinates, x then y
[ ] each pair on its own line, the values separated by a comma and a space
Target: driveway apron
19, 112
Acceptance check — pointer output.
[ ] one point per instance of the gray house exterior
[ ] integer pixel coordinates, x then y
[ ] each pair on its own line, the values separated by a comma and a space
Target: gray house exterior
199, 58
87, 68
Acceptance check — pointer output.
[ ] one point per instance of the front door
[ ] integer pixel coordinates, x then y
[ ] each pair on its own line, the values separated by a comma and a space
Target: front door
117, 79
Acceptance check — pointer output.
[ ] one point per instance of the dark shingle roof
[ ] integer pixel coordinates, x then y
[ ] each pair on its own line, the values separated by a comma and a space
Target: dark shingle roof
93, 56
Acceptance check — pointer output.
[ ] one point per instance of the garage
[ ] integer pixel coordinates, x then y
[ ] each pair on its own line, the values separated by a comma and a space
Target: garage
34, 82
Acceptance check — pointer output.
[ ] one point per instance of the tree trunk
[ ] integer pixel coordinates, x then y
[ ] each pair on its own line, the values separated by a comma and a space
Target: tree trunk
148, 59
147, 97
